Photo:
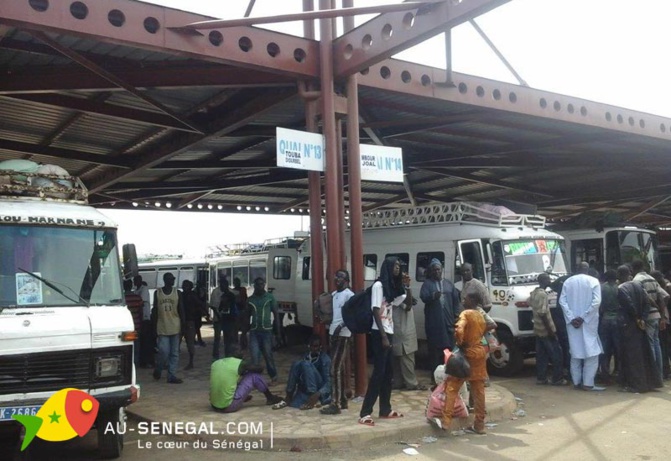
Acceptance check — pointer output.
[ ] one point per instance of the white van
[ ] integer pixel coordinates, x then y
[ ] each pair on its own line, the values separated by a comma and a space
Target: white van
609, 247
507, 252
63, 319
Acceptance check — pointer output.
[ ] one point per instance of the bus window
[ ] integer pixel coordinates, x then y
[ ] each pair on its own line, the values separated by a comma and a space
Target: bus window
369, 267
185, 273
471, 253
242, 272
225, 273
404, 258
306, 274
423, 261
257, 268
282, 267
149, 277
587, 250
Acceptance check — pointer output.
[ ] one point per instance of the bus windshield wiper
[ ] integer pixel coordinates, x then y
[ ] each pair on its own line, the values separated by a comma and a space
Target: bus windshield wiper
54, 287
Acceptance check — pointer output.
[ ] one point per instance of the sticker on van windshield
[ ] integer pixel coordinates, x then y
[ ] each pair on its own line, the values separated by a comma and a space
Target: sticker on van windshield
28, 289
530, 247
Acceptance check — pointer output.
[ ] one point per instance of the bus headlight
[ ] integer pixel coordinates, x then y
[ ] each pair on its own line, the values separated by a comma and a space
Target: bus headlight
107, 367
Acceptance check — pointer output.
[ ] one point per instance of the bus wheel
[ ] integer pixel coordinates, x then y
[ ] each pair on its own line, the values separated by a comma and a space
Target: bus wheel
110, 441
508, 360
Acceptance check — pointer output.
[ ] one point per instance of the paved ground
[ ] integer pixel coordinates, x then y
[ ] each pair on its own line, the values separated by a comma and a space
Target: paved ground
288, 428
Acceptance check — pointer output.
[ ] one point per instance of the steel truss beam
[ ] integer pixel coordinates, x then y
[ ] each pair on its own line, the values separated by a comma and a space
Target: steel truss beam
471, 92
391, 33
148, 75
149, 26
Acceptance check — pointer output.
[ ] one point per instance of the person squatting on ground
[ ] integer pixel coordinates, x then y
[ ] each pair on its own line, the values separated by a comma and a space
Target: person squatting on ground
441, 309
233, 379
469, 331
547, 344
309, 379
580, 300
387, 291
262, 316
340, 344
168, 315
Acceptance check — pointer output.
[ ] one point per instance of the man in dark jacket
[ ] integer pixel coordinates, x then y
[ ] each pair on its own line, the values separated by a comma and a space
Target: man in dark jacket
441, 309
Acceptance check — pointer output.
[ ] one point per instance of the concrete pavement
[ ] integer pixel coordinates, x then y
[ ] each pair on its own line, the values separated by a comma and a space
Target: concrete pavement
256, 423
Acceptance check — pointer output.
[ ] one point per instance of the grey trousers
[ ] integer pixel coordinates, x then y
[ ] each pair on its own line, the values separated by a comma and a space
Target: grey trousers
404, 371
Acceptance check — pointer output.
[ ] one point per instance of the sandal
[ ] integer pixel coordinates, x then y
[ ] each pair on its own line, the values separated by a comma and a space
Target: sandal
472, 430
330, 410
367, 420
392, 415
280, 405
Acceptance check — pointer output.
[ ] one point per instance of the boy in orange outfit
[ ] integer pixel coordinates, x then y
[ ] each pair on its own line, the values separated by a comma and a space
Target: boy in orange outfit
468, 334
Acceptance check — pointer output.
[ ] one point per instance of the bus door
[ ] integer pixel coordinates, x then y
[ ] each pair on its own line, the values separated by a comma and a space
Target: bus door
281, 281
470, 251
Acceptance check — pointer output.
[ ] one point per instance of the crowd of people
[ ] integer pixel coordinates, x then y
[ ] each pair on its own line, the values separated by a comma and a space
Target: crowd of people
602, 332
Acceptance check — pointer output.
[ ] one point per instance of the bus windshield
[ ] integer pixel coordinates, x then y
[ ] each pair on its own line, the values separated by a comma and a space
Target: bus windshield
58, 266
623, 246
521, 261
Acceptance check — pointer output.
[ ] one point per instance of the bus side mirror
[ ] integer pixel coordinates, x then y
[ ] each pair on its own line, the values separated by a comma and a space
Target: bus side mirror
130, 268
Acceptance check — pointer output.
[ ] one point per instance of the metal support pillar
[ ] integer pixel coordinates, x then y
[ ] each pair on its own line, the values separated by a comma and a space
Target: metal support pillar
314, 196
355, 214
333, 236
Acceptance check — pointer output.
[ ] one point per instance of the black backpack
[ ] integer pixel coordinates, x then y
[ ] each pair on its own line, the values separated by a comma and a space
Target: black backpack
357, 312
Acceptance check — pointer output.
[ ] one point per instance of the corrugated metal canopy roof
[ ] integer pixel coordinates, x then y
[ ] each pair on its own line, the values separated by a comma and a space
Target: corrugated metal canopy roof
125, 116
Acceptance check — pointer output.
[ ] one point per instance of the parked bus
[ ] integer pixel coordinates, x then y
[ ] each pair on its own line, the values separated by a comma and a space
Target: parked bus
63, 318
195, 270
610, 247
507, 252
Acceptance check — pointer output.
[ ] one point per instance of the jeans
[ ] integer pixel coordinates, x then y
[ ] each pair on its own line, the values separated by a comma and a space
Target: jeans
548, 349
261, 343
303, 381
383, 374
168, 351
609, 333
652, 330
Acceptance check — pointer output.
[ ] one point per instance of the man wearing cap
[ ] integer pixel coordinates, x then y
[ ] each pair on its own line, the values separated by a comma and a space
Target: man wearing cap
441, 309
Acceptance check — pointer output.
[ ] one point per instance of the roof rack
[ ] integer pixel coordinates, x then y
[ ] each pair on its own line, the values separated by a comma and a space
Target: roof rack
246, 248
455, 212
43, 186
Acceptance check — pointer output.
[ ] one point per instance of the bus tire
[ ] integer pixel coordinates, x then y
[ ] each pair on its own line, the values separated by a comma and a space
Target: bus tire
509, 359
110, 445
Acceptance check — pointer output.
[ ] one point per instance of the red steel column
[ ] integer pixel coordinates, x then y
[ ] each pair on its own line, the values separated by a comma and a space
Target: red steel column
355, 217
333, 236
314, 196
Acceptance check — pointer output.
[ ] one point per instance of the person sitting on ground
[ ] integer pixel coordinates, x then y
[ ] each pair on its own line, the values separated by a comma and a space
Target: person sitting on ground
232, 381
309, 379
468, 334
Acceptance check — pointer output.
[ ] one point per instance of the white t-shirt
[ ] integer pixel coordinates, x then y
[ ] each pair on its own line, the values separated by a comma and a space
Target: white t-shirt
377, 300
339, 299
